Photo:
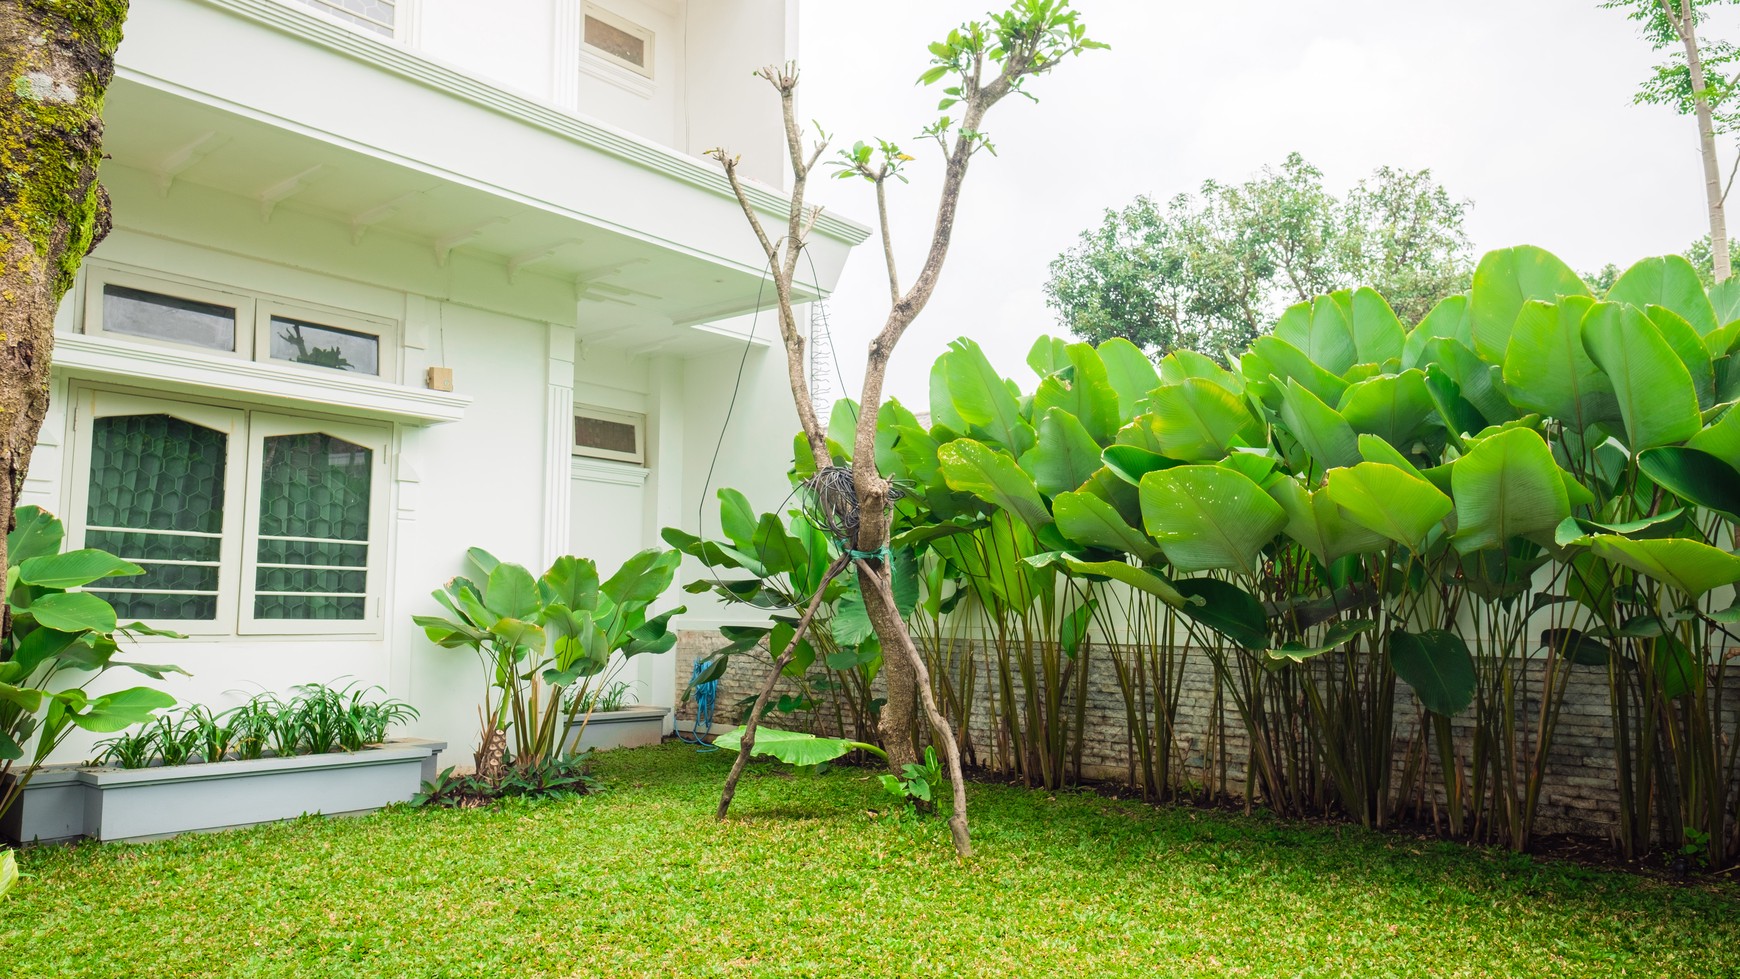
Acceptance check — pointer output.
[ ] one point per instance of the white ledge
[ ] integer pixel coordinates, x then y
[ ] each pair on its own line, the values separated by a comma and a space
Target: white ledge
604, 471
168, 369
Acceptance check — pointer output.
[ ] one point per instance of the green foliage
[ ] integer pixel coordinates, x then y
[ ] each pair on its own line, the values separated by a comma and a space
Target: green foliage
794, 747
315, 719
916, 784
1211, 272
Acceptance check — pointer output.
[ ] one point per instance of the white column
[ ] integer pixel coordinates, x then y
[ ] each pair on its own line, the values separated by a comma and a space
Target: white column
565, 35
658, 674
559, 444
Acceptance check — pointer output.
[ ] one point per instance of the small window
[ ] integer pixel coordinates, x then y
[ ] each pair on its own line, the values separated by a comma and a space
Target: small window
619, 41
378, 16
315, 345
312, 558
604, 434
138, 313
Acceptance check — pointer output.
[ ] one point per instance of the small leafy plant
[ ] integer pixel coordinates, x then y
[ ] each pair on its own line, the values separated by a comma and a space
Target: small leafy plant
567, 777
319, 719
916, 784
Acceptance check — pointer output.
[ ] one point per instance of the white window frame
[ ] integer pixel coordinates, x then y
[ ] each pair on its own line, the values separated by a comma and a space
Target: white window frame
635, 419
100, 276
332, 9
624, 25
385, 331
263, 425
238, 556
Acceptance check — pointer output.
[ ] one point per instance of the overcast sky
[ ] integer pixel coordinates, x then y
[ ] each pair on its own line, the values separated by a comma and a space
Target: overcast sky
1521, 106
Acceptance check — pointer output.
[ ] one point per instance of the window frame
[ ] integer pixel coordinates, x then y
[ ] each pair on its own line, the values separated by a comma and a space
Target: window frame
612, 19
633, 418
334, 11
244, 463
100, 277
385, 331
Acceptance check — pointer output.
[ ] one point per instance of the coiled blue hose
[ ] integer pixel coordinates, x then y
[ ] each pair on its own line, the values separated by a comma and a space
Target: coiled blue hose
706, 698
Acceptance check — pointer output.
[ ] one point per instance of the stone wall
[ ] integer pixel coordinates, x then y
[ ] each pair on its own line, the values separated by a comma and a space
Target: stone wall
1579, 793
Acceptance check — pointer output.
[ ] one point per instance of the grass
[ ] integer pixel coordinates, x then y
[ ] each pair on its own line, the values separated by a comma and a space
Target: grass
805, 881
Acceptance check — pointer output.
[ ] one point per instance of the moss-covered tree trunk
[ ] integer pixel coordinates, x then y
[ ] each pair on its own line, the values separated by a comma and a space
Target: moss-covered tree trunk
57, 57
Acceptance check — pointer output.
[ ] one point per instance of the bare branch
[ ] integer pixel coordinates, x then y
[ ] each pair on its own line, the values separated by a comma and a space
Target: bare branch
888, 240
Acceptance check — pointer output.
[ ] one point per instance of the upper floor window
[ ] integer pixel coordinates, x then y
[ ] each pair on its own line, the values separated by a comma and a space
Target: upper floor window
250, 327
618, 40
379, 16
605, 434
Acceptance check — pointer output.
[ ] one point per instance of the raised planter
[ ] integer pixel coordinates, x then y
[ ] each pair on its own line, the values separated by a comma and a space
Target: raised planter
68, 802
630, 727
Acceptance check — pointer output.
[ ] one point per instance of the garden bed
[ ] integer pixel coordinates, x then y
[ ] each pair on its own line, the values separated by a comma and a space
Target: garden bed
627, 727
64, 803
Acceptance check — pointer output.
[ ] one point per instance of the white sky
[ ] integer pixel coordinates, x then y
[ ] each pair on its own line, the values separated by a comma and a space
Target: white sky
1522, 106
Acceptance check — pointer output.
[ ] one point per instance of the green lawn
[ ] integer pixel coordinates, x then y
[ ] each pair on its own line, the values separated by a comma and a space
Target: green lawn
639, 881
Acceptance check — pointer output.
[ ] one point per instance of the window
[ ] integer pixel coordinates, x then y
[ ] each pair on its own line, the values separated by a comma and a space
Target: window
618, 41
160, 310
604, 434
245, 522
378, 16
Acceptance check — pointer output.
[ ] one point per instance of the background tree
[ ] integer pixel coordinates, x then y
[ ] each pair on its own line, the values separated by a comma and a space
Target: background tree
1696, 80
980, 64
57, 57
1211, 271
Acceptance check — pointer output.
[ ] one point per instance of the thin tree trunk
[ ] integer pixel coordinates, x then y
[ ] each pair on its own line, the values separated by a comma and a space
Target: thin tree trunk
56, 60
1685, 23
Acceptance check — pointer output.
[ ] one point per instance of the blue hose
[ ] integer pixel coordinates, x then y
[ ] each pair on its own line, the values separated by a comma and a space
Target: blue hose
706, 698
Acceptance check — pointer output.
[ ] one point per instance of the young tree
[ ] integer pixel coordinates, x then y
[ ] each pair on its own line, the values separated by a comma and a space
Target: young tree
1210, 272
981, 63
56, 60
1697, 80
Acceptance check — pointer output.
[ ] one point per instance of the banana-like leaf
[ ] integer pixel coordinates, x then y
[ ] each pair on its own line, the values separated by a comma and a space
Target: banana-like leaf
511, 592
1148, 580
972, 467
1322, 328
1335, 637
1131, 375
1438, 666
793, 747
1227, 609
1209, 517
1397, 504
1279, 361
1507, 486
72, 569
1720, 438
1394, 407
642, 578
982, 398
1547, 369
1694, 476
736, 517
76, 611
120, 710
1688, 566
37, 533
1183, 364
1065, 455
1378, 335
1655, 393
1670, 282
1130, 463
1448, 319
1087, 393
1317, 524
1048, 355
571, 582
1686, 342
1088, 520
1320, 429
1505, 280
1198, 419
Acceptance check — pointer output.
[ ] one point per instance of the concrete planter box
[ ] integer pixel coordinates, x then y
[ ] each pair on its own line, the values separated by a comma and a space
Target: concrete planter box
630, 727
67, 802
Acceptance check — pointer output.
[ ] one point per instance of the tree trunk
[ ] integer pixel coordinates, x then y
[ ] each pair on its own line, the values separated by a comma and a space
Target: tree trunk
57, 57
1687, 27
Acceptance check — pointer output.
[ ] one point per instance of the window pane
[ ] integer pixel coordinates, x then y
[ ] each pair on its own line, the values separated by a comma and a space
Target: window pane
600, 433
147, 314
325, 346
616, 42
156, 498
314, 528
376, 15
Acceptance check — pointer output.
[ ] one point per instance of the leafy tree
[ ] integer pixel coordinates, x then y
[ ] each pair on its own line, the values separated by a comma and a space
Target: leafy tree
1210, 271
1696, 80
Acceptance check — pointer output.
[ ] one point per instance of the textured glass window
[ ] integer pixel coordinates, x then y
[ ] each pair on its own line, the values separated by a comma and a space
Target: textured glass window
157, 499
314, 528
600, 433
376, 15
325, 346
616, 42
147, 314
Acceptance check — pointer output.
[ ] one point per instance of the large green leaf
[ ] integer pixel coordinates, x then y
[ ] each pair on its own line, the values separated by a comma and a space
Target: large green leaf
1438, 666
1320, 429
1086, 393
1378, 335
1689, 566
1397, 504
1065, 455
1130, 373
1208, 517
74, 568
982, 398
38, 533
1334, 637
511, 592
1654, 389
1227, 609
120, 710
1507, 486
1694, 476
1448, 319
793, 747
1670, 282
1148, 580
1322, 329
975, 468
1280, 361
1317, 524
1506, 279
736, 517
1048, 355
642, 578
1183, 364
1198, 419
1721, 438
571, 582
1547, 369
1689, 346
1088, 520
73, 612
1130, 463
1394, 407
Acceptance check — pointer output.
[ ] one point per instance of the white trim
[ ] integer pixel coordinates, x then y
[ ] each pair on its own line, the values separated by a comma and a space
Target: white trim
385, 332
633, 419
610, 18
601, 66
558, 442
185, 371
98, 276
565, 38
614, 473
316, 29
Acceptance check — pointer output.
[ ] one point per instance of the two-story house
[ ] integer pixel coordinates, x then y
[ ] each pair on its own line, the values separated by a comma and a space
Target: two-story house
393, 278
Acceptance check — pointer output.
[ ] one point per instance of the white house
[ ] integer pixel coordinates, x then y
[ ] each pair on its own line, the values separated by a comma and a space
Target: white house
323, 209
